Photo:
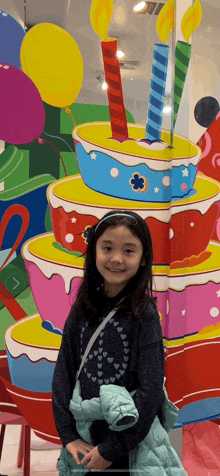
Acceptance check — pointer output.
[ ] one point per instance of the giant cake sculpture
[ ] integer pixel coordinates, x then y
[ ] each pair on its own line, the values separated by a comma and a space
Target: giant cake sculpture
153, 173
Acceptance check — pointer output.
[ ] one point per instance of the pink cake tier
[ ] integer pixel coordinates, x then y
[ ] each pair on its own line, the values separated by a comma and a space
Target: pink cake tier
75, 208
189, 298
132, 171
55, 276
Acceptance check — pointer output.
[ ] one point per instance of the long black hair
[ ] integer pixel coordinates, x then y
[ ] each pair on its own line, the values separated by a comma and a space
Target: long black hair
138, 291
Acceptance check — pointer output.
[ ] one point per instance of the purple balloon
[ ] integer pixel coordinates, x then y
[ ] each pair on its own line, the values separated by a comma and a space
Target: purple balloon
22, 115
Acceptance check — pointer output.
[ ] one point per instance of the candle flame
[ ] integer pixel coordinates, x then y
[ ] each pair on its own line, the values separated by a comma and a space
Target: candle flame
191, 20
100, 16
165, 21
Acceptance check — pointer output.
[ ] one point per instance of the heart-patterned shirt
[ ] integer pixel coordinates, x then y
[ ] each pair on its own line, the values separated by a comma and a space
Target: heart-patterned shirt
108, 359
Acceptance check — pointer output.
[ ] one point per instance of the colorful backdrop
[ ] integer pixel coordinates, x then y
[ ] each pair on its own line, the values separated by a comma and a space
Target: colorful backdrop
63, 165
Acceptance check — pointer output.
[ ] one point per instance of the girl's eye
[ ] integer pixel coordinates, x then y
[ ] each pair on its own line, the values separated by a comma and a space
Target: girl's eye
108, 248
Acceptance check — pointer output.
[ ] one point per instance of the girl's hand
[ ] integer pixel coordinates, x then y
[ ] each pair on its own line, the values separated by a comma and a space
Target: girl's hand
78, 446
95, 461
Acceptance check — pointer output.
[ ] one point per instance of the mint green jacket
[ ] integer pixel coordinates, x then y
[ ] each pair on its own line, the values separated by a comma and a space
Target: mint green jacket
154, 456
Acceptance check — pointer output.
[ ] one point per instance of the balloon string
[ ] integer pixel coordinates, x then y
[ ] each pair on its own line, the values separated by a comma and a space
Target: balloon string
13, 210
68, 111
60, 138
61, 158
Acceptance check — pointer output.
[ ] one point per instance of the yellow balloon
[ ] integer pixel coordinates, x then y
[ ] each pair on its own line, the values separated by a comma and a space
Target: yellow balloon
51, 58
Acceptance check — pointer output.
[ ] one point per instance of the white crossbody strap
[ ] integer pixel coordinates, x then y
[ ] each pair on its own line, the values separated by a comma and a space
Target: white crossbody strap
93, 338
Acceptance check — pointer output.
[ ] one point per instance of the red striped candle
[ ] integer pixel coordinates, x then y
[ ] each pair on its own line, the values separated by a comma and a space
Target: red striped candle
114, 90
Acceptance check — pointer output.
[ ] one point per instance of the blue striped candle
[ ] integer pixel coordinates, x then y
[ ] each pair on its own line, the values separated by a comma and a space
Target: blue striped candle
157, 93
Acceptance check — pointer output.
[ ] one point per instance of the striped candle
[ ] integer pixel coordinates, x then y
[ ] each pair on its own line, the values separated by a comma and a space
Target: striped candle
157, 92
114, 90
182, 58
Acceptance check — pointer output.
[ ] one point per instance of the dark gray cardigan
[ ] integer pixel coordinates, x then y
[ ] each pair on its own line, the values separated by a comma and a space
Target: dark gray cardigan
128, 353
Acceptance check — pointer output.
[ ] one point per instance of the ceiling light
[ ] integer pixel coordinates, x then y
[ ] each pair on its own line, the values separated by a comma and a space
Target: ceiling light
139, 6
167, 104
120, 54
149, 8
167, 109
104, 85
120, 16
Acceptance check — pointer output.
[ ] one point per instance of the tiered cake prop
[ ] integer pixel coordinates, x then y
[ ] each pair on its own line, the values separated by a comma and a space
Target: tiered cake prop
123, 168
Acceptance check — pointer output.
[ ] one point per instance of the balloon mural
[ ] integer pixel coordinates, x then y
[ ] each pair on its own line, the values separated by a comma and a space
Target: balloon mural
51, 58
22, 114
206, 110
11, 37
52, 71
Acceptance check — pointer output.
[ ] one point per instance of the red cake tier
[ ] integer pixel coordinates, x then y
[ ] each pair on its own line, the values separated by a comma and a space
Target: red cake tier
75, 208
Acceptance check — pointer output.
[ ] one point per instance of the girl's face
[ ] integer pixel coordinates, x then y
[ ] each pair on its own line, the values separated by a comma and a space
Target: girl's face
118, 257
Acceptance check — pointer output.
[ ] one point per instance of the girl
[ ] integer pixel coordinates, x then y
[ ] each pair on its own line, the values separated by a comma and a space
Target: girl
129, 352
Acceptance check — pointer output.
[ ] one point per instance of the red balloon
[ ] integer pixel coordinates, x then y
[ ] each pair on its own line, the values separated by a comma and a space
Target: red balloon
22, 115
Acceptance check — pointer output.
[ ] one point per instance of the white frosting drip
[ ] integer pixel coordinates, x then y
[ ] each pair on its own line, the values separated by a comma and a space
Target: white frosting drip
157, 145
49, 268
131, 160
33, 353
179, 283
159, 214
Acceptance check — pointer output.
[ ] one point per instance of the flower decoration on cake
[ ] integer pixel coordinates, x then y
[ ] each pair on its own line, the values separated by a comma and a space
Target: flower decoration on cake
86, 235
138, 183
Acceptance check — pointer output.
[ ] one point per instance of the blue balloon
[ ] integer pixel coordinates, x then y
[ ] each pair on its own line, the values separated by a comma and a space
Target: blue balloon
11, 37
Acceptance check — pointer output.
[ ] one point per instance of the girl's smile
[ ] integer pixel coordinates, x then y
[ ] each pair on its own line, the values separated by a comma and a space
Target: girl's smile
116, 270
118, 257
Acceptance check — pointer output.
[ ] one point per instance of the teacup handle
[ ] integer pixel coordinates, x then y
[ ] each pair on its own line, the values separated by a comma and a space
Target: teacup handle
6, 297
23, 212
